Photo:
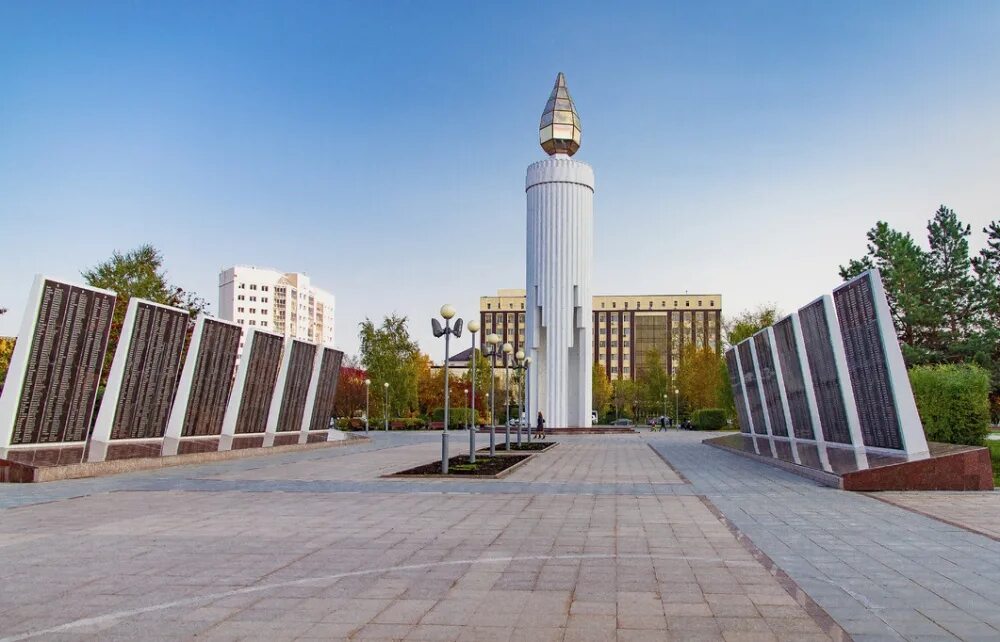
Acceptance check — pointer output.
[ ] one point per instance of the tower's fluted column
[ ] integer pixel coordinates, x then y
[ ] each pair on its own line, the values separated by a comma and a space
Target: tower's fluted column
560, 203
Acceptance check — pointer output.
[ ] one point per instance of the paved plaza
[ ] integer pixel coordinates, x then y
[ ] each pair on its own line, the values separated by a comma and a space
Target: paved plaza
651, 536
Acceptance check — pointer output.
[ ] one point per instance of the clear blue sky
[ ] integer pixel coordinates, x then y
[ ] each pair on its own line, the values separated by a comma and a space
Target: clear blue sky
741, 148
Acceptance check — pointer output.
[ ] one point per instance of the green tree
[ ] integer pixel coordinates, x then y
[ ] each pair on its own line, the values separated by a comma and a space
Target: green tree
698, 378
749, 322
601, 386
652, 382
138, 273
987, 269
945, 302
904, 268
952, 282
389, 355
624, 397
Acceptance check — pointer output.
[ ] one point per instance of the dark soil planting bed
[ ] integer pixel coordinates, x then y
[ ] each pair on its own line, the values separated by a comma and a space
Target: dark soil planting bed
460, 467
535, 446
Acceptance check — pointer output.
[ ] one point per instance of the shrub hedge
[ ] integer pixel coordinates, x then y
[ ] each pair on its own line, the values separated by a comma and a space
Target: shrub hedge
953, 402
709, 419
397, 423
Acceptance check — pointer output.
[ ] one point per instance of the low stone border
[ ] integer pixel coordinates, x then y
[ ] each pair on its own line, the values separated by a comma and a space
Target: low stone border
503, 473
23, 473
501, 451
679, 474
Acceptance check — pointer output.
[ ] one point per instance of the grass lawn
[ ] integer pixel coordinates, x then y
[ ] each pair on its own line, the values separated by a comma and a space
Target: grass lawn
994, 446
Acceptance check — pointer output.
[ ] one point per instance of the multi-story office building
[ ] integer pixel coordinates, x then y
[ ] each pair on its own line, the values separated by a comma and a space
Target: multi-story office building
625, 327
280, 302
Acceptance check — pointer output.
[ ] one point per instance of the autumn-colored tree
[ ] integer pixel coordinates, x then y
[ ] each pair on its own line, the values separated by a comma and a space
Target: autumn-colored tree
652, 383
624, 397
350, 400
601, 389
430, 385
698, 379
6, 352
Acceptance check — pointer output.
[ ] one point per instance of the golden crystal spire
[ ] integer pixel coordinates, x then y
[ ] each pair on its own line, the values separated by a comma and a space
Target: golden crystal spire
559, 130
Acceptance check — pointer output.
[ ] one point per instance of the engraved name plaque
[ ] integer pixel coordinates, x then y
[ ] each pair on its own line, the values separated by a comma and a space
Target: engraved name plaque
144, 373
734, 382
865, 348
261, 376
296, 389
753, 393
825, 380
326, 389
211, 379
55, 370
769, 380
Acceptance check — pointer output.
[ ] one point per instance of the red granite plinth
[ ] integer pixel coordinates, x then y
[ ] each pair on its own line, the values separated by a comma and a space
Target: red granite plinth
949, 467
286, 439
946, 467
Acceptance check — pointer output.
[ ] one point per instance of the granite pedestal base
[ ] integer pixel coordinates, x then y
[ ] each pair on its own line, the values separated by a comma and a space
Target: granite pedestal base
946, 467
50, 463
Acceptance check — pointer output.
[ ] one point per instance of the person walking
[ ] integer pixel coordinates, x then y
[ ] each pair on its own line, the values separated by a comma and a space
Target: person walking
541, 425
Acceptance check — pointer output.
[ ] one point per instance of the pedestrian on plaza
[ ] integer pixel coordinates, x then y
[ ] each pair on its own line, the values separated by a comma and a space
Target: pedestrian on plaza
541, 425
663, 423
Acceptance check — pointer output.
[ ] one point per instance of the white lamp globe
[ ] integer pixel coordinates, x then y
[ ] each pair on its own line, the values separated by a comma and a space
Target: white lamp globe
520, 355
508, 348
473, 326
386, 384
368, 382
447, 311
492, 339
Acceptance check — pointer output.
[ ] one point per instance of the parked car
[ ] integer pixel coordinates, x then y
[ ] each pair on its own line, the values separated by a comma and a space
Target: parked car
514, 422
624, 421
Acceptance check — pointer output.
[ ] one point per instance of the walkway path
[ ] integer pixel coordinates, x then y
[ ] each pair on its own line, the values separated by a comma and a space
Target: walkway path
596, 539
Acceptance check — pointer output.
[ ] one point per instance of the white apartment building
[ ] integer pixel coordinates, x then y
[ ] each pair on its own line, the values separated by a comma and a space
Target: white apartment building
279, 302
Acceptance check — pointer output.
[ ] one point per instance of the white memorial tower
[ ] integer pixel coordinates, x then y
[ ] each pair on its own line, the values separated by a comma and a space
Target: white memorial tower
560, 239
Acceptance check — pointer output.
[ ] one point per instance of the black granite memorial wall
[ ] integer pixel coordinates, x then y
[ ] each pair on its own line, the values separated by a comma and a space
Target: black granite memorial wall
769, 380
734, 382
825, 380
64, 364
261, 377
326, 389
753, 393
793, 378
212, 382
296, 389
149, 378
866, 363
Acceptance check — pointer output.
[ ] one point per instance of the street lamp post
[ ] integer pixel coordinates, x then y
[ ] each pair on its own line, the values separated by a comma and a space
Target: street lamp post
386, 386
368, 385
491, 350
473, 329
664, 410
507, 350
677, 407
519, 367
447, 312
527, 394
